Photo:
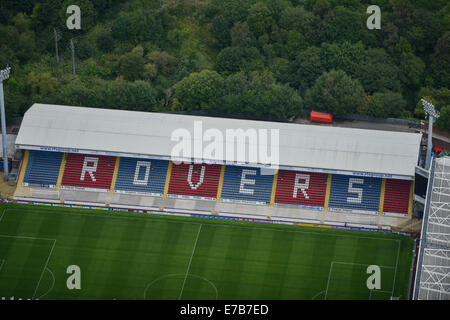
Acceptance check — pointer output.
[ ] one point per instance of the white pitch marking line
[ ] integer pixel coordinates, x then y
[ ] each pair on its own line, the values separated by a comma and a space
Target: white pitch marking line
396, 265
361, 264
328, 282
376, 290
190, 260
53, 284
317, 294
23, 237
1, 264
180, 274
3, 213
45, 266
357, 264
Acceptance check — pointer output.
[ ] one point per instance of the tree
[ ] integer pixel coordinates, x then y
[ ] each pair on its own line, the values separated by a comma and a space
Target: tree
378, 72
105, 41
346, 56
306, 68
200, 91
346, 25
443, 122
230, 59
259, 19
411, 69
385, 105
241, 35
221, 31
42, 84
131, 65
441, 61
335, 92
258, 95
303, 21
165, 63
295, 43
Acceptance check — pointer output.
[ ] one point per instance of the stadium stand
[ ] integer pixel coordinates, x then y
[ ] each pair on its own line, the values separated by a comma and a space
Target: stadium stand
194, 181
88, 171
141, 176
396, 198
304, 189
42, 169
246, 185
360, 194
322, 170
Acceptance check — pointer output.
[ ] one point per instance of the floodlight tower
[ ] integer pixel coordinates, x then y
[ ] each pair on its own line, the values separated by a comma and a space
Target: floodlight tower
4, 74
432, 116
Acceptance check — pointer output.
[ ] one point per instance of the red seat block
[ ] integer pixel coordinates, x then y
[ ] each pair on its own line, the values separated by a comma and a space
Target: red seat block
305, 189
194, 180
396, 196
88, 171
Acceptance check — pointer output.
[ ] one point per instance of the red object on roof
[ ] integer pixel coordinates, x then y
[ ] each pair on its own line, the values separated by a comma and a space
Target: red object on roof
321, 117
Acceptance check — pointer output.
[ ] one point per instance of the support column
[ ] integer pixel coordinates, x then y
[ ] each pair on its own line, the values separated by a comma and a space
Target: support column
219, 188
61, 171
383, 191
274, 188
411, 199
166, 185
327, 194
114, 177
23, 168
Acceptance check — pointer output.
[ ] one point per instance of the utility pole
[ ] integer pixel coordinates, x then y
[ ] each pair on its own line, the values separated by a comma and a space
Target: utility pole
432, 116
56, 44
73, 55
4, 74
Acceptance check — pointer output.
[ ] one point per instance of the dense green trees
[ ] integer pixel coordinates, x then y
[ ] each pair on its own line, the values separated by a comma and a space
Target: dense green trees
335, 92
257, 58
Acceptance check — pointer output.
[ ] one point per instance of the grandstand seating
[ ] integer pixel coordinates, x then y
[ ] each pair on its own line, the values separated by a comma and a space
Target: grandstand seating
194, 180
304, 189
141, 176
353, 193
246, 184
88, 171
240, 184
396, 198
42, 169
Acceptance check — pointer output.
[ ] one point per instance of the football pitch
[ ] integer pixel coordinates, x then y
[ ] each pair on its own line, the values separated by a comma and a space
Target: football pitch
124, 255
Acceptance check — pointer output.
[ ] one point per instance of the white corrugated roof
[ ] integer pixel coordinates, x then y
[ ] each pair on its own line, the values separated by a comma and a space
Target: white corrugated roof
147, 133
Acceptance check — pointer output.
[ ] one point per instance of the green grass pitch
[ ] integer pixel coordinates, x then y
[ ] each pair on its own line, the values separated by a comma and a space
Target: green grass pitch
144, 256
